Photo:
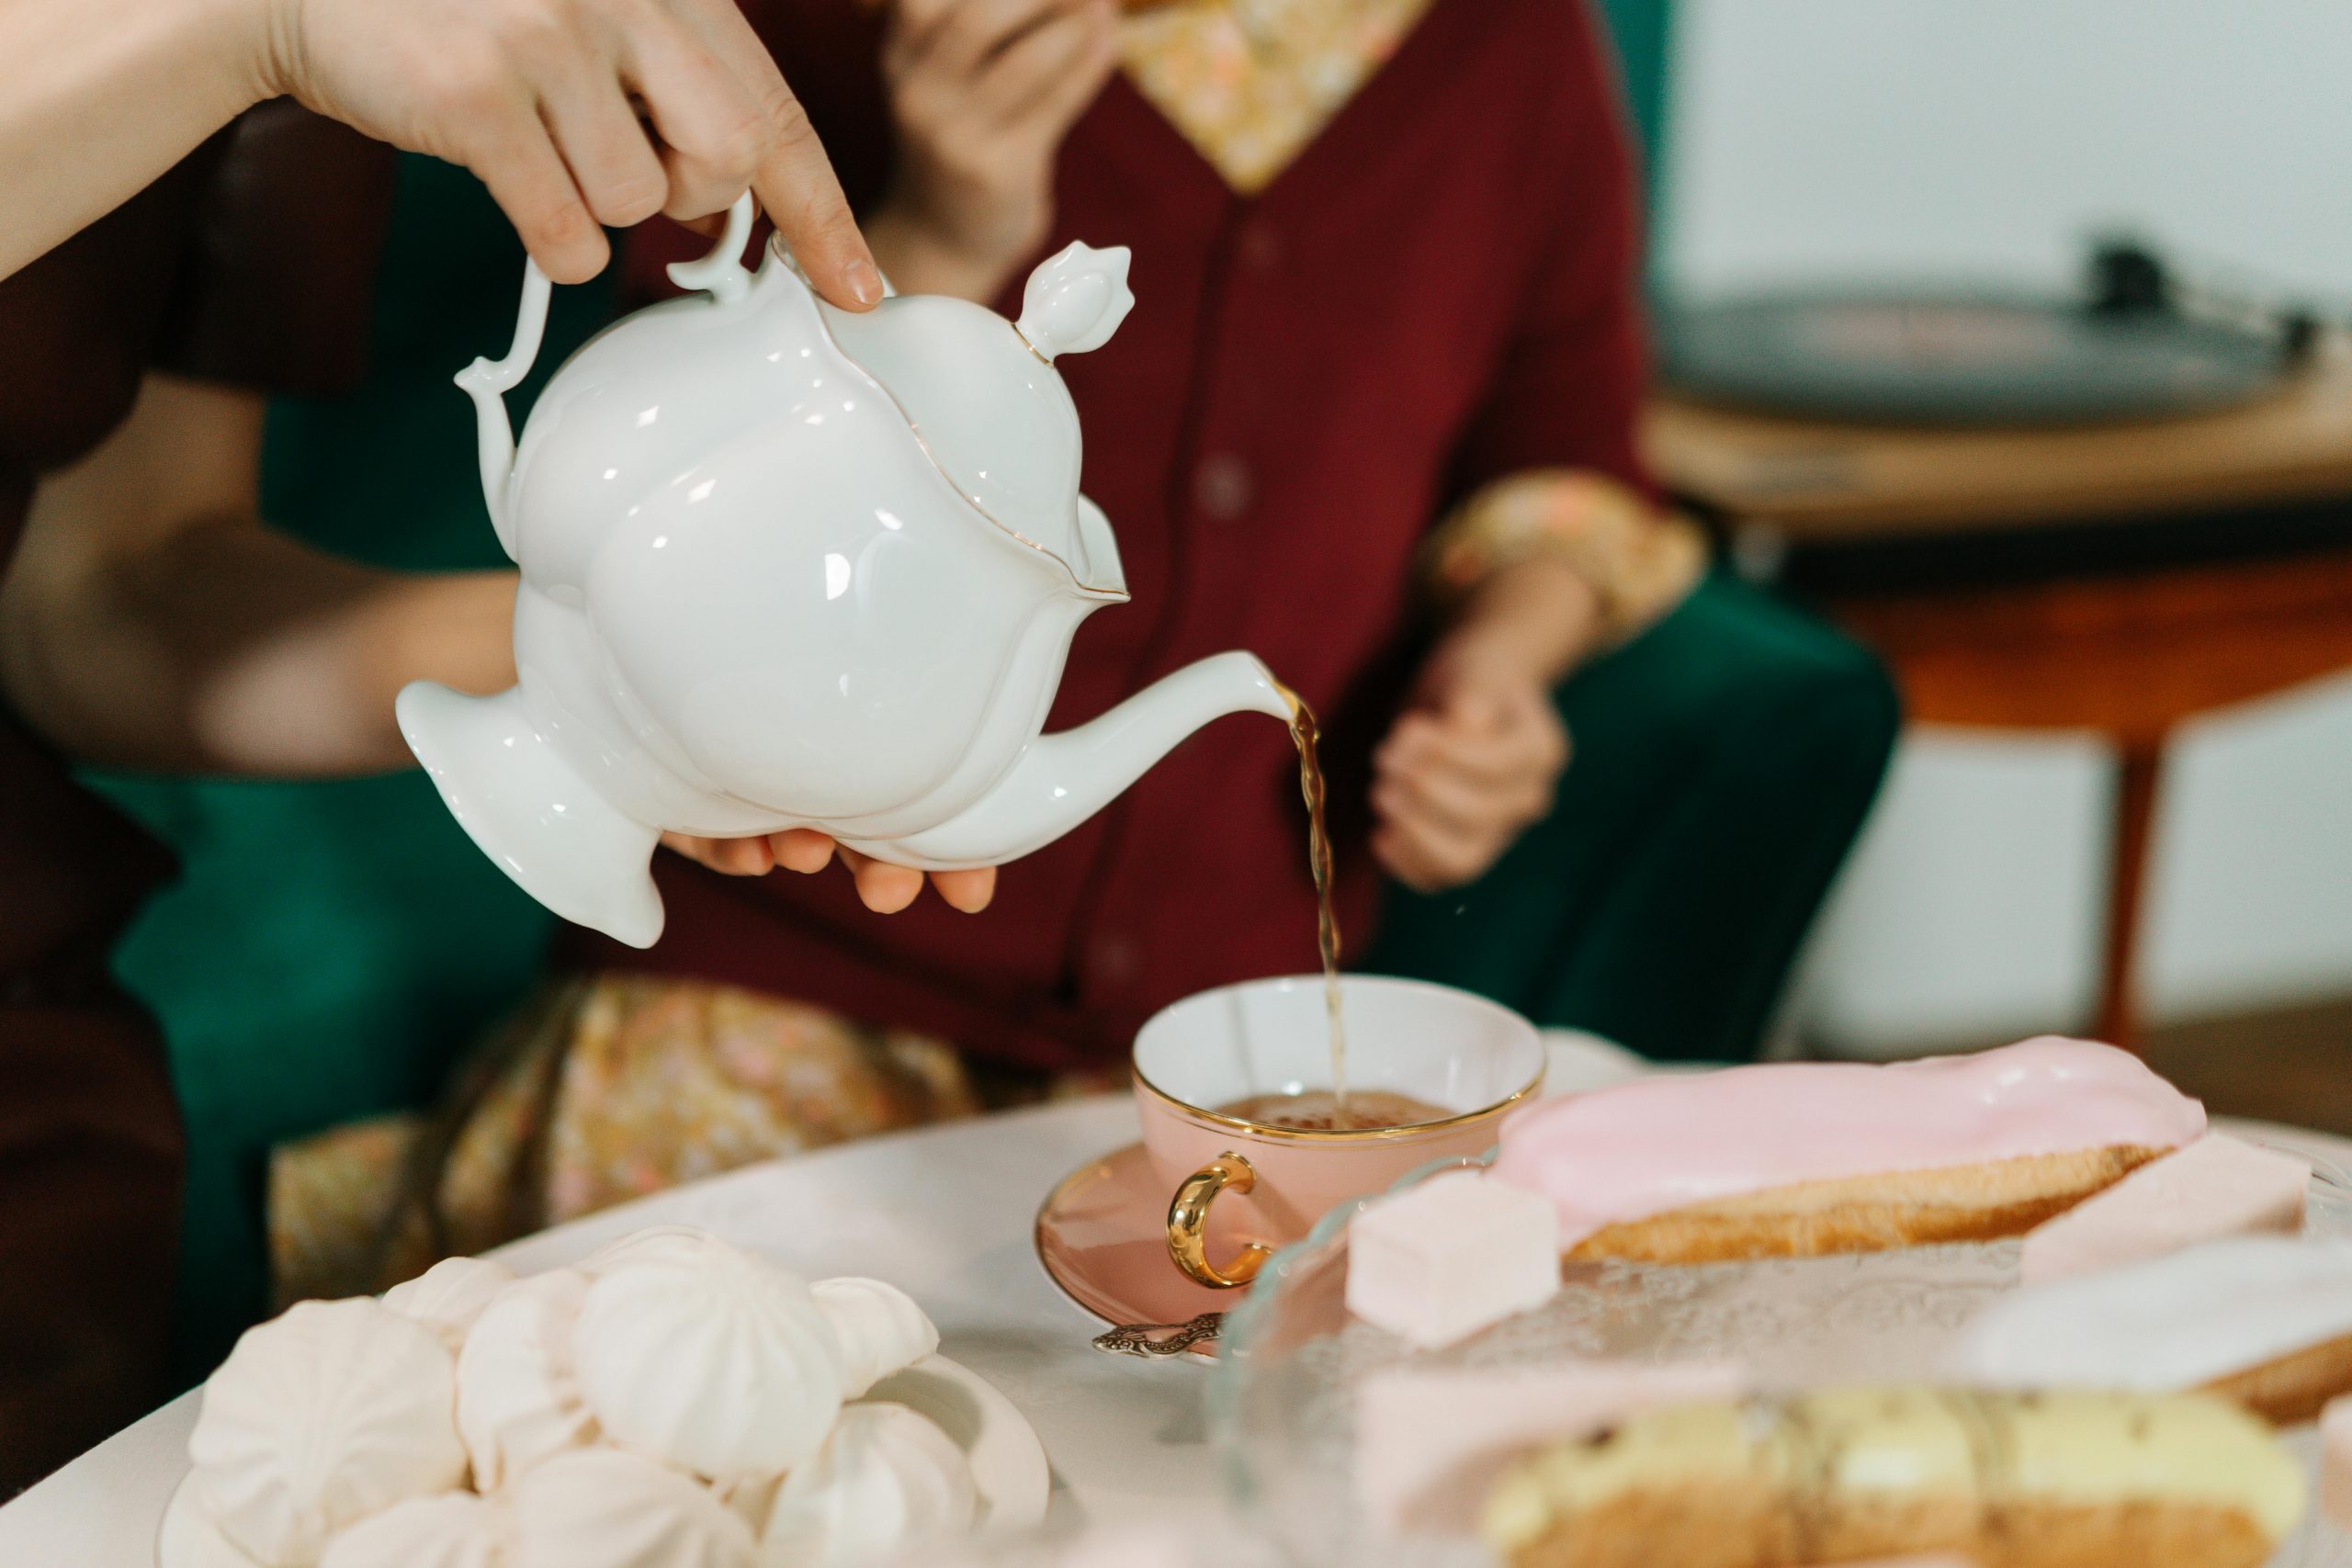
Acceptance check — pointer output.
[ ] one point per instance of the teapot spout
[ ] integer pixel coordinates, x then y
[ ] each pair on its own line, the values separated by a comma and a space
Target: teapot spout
1061, 780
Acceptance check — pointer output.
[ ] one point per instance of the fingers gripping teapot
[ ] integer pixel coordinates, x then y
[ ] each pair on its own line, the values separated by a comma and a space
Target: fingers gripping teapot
785, 566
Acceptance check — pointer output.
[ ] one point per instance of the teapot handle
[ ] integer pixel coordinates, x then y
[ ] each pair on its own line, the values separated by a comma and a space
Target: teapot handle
487, 382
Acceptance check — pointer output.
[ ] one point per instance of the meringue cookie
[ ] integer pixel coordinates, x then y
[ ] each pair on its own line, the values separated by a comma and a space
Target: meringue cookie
457, 1529
610, 1508
880, 1328
320, 1417
518, 1401
1149, 1546
708, 1358
886, 1479
447, 1297
190, 1538
682, 1241
748, 1497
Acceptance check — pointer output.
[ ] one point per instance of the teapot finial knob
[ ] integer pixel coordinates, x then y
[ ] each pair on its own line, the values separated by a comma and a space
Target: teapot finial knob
1075, 300
721, 270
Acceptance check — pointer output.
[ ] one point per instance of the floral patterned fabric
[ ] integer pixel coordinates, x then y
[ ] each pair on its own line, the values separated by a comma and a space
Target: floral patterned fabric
1251, 83
1640, 562
603, 1090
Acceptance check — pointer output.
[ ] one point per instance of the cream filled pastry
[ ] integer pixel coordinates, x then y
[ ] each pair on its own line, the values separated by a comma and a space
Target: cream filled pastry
1429, 1438
2265, 1320
1850, 1475
1799, 1159
2336, 1462
2216, 1187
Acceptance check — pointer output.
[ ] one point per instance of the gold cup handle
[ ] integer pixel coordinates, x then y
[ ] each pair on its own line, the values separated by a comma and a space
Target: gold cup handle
1188, 1224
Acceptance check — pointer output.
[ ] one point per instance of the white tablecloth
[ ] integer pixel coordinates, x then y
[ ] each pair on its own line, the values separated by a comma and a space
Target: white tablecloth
945, 1213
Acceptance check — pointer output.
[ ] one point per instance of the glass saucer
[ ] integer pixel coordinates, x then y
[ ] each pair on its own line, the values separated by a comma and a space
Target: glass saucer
1283, 1400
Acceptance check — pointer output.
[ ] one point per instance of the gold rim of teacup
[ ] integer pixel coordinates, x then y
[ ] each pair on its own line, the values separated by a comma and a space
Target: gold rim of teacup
1308, 1134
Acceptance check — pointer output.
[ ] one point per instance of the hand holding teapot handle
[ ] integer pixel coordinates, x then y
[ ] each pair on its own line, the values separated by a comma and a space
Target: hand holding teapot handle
720, 272
579, 116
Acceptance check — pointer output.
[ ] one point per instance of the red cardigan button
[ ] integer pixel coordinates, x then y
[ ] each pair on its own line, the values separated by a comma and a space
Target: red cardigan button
1222, 487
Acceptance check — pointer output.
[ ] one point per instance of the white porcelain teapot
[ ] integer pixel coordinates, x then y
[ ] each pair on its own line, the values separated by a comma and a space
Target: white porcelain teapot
786, 566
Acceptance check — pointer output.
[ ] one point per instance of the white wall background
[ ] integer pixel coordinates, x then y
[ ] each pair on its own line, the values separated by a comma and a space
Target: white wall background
1866, 138
1922, 139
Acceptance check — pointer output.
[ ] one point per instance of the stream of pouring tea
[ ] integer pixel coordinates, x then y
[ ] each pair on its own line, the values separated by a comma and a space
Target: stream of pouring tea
1303, 730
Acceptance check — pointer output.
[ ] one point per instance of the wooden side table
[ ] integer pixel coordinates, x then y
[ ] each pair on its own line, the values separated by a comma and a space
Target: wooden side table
2130, 652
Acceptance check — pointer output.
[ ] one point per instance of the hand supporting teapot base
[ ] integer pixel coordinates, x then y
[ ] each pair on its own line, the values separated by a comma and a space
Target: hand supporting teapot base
536, 814
530, 810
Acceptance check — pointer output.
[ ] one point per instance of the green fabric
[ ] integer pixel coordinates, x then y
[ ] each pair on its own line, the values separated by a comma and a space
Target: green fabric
1643, 33
1723, 763
329, 947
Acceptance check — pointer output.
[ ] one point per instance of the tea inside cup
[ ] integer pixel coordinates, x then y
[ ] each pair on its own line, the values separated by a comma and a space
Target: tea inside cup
1235, 1091
1259, 1054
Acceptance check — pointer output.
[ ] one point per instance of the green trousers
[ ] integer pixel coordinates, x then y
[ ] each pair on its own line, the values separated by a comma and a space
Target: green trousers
1722, 764
330, 948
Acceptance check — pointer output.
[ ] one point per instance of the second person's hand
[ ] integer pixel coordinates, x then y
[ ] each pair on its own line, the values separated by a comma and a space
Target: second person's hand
983, 92
579, 114
886, 889
1471, 764
1475, 757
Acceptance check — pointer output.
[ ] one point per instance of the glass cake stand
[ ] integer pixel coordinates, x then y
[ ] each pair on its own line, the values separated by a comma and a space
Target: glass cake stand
1283, 1398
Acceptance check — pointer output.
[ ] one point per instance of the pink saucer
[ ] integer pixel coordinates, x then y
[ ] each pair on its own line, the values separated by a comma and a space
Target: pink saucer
1103, 1236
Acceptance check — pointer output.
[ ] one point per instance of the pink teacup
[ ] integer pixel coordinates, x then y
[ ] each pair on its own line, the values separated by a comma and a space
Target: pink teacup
1467, 1058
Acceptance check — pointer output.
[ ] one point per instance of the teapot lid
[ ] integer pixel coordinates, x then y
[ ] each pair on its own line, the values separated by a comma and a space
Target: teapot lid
984, 397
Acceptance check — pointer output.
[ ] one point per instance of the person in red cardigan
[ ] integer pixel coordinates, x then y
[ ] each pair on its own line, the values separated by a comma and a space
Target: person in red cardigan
1385, 263
1373, 418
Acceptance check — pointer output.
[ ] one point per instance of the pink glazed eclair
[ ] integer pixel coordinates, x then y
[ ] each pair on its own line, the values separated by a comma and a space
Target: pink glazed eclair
1803, 1158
